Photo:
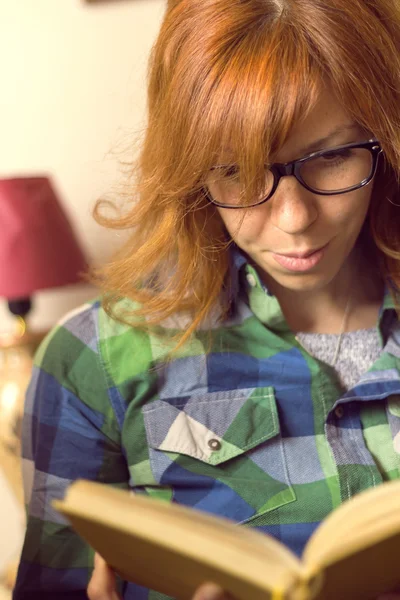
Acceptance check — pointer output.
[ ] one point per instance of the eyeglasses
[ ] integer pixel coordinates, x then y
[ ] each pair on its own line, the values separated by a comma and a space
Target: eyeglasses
327, 172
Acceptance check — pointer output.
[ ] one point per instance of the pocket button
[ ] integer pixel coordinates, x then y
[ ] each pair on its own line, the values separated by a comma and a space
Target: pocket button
214, 444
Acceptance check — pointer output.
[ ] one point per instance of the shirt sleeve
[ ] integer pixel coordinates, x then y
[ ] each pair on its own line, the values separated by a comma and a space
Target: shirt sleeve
69, 432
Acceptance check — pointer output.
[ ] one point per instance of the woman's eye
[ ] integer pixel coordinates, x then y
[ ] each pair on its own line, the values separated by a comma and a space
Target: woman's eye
332, 156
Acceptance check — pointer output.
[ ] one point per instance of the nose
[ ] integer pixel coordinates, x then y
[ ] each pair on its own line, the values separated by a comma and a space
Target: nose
294, 209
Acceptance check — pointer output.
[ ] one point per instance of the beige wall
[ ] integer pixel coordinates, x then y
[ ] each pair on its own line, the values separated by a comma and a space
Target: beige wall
72, 95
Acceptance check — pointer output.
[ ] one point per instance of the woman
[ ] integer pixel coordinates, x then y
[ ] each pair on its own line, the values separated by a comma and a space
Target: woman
245, 357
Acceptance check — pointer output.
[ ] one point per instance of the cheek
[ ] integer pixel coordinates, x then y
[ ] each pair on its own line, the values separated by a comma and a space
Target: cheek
354, 209
347, 211
244, 228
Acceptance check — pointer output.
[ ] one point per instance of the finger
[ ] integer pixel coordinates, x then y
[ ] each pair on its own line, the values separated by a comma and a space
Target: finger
211, 591
102, 585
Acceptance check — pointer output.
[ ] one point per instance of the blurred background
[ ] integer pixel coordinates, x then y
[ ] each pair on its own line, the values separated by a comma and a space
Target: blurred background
72, 107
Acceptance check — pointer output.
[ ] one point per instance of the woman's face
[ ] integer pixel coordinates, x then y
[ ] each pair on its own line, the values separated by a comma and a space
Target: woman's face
296, 221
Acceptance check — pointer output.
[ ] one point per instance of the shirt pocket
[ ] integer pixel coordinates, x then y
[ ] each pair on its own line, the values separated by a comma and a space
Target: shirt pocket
221, 452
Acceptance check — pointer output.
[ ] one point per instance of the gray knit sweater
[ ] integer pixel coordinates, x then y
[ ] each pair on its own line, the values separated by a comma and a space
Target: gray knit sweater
358, 351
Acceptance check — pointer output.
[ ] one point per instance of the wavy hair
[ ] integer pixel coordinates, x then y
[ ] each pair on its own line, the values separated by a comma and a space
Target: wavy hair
238, 74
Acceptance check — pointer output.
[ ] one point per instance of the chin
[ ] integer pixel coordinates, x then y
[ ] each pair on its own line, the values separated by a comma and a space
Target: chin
303, 282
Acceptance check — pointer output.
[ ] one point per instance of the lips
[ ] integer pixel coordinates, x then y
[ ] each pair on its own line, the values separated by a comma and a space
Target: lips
300, 261
304, 254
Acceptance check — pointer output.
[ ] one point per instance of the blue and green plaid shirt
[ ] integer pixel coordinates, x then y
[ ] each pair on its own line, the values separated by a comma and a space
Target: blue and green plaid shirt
245, 424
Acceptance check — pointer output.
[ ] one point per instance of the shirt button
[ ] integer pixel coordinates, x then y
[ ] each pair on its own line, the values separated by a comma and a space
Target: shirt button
214, 444
339, 412
251, 280
396, 443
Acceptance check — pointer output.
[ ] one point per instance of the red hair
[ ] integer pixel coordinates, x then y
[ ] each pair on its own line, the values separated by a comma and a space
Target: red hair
230, 74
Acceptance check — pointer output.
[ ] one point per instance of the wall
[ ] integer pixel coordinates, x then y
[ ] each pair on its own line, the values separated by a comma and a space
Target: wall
72, 97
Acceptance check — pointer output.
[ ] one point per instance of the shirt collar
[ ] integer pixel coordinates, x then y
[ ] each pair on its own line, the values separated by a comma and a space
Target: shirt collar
246, 284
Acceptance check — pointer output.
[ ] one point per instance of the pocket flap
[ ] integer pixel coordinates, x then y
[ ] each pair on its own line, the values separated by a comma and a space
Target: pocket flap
213, 427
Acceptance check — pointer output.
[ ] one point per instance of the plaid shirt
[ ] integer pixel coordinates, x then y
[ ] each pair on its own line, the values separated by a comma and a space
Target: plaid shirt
245, 424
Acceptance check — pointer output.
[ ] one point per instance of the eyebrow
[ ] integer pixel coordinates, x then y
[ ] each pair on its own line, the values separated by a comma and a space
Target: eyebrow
321, 143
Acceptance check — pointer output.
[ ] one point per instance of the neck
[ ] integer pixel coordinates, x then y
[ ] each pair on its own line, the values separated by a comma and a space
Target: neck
352, 294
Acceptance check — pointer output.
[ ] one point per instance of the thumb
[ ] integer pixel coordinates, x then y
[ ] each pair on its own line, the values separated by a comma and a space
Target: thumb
211, 591
102, 585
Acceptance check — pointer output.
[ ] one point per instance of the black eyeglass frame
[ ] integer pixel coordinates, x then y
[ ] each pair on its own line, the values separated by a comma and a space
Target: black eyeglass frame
293, 167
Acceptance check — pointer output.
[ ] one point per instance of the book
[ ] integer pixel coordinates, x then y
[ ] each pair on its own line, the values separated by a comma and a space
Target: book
352, 555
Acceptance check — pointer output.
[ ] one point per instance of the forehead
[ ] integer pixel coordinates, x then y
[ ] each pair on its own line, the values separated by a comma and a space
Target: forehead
326, 124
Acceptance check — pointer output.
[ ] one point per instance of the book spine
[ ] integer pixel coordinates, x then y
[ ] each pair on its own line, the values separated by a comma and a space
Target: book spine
305, 589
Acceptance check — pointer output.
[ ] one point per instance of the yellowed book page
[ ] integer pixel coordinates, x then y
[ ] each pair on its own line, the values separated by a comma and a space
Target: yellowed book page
365, 575
360, 516
357, 547
173, 549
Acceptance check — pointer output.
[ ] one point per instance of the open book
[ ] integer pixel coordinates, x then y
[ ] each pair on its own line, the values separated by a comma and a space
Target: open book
353, 555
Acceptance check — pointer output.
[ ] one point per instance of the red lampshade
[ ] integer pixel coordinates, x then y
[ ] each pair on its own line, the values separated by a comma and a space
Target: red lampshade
38, 248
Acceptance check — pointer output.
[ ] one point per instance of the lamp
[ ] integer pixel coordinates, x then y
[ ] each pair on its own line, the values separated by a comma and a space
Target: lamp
38, 251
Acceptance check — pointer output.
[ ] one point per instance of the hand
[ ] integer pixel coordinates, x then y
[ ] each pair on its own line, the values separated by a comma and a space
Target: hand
102, 586
211, 591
